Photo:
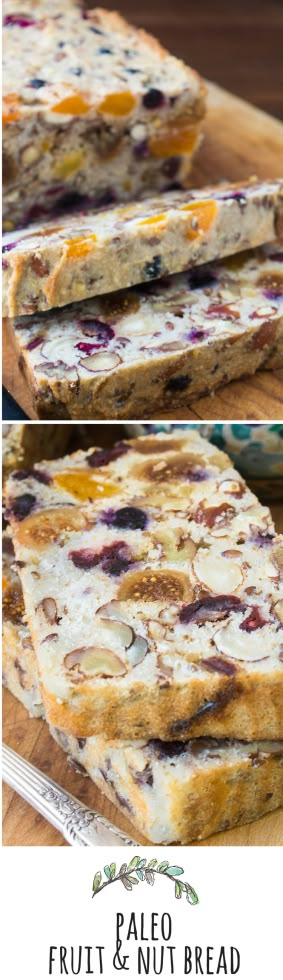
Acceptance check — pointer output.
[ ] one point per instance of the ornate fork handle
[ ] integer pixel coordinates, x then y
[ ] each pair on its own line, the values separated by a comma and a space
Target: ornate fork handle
78, 824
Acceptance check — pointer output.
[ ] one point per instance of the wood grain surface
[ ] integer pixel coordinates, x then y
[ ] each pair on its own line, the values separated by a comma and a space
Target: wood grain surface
239, 142
30, 737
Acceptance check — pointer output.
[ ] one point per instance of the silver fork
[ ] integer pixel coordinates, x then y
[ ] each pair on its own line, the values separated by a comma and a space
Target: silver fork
75, 821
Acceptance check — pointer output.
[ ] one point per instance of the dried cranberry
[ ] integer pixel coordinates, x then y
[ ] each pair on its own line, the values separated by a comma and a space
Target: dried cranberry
195, 335
211, 609
180, 383
101, 457
23, 505
141, 149
18, 20
254, 620
113, 559
9, 246
132, 518
34, 343
101, 332
85, 558
39, 475
153, 98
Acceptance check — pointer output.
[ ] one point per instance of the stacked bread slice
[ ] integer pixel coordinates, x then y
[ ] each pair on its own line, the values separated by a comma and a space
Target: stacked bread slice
100, 114
152, 584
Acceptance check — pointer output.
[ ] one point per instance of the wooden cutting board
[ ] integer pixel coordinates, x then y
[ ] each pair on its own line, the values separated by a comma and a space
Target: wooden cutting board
30, 737
239, 142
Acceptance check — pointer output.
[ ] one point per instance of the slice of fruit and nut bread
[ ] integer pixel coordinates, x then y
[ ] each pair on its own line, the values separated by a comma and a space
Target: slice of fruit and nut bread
151, 579
19, 664
170, 790
95, 253
97, 110
145, 350
174, 791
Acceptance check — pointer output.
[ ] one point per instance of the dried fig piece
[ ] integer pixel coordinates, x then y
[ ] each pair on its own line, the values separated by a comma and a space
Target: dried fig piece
95, 661
146, 446
155, 586
13, 607
272, 284
44, 527
181, 466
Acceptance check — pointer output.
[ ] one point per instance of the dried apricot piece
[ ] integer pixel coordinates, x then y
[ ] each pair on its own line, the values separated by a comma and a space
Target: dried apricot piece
77, 247
156, 219
84, 485
72, 105
177, 139
44, 527
201, 214
155, 586
11, 104
117, 104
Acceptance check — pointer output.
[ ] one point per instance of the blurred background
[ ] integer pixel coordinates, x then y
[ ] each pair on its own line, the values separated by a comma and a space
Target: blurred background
238, 45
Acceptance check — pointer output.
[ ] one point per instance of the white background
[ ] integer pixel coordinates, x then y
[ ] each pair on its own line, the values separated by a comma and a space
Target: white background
48, 902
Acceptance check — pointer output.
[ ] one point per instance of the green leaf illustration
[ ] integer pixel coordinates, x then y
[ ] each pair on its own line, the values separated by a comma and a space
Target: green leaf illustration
138, 870
127, 884
163, 866
191, 896
174, 871
96, 881
134, 863
149, 877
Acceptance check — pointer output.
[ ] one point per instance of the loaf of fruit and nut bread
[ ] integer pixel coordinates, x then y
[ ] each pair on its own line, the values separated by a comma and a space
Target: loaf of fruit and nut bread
152, 349
97, 111
172, 791
152, 587
47, 266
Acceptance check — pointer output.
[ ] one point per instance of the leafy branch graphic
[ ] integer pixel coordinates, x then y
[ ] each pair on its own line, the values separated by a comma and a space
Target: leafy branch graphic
140, 870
